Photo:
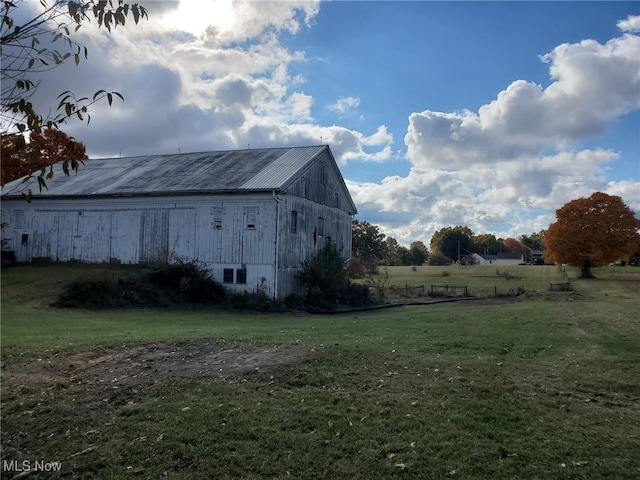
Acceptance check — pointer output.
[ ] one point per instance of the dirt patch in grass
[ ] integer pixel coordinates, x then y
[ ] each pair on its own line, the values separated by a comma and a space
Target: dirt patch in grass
148, 364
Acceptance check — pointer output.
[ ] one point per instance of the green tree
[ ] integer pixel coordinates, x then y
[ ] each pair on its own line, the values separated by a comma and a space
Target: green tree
394, 253
32, 46
535, 241
591, 232
367, 244
324, 275
485, 244
452, 241
438, 259
418, 253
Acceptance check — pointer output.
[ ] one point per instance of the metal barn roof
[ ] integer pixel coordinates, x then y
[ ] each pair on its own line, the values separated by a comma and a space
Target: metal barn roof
205, 172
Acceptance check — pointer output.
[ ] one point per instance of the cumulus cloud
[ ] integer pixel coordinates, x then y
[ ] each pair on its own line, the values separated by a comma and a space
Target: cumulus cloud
508, 166
202, 76
228, 22
345, 104
630, 24
592, 84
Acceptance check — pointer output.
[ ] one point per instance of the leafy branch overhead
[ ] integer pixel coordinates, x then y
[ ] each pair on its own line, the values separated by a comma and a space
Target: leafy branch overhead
21, 159
29, 50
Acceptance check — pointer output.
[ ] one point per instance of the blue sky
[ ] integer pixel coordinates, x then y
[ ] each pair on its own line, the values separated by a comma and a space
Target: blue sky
399, 57
485, 114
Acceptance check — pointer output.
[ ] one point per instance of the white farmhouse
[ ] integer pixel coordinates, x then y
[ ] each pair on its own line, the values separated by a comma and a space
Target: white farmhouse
499, 259
251, 216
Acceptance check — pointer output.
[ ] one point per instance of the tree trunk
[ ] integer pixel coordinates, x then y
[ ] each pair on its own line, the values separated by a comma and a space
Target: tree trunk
586, 269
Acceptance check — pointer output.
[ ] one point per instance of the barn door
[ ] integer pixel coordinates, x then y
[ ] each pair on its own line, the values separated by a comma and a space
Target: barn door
182, 233
66, 231
154, 236
96, 236
76, 239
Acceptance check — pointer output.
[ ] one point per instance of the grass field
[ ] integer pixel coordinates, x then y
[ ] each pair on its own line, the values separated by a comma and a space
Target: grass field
540, 386
484, 281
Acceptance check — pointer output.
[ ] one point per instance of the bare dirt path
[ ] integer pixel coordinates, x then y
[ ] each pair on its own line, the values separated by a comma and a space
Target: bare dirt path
147, 364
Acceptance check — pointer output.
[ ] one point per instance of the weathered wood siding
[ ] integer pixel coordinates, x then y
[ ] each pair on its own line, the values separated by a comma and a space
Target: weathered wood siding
147, 230
315, 225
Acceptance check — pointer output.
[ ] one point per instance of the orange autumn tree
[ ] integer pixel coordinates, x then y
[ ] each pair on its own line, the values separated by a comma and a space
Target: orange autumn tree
21, 159
511, 245
591, 232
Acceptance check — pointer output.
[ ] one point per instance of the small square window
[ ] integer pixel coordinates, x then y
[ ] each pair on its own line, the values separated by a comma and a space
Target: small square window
227, 275
241, 275
25, 239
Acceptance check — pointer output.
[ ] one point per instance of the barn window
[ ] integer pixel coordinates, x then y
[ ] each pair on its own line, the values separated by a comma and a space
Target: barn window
320, 226
294, 221
25, 239
323, 174
241, 275
227, 276
217, 218
336, 199
304, 187
251, 215
18, 218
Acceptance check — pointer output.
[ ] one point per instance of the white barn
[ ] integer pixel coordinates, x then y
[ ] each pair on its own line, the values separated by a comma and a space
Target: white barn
251, 216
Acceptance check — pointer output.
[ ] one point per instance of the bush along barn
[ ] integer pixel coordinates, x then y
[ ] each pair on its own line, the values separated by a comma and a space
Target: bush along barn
250, 216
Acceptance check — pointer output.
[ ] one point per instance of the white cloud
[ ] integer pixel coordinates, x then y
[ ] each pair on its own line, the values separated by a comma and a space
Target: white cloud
345, 104
628, 191
631, 24
593, 84
508, 166
203, 75
227, 22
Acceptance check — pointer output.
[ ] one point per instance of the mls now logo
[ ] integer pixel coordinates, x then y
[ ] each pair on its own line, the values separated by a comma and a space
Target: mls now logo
30, 466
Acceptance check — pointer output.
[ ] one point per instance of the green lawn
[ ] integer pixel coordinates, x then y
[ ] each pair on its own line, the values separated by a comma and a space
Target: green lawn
542, 387
480, 280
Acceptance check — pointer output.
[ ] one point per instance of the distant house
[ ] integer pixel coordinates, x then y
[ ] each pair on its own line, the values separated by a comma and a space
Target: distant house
537, 257
499, 259
251, 216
